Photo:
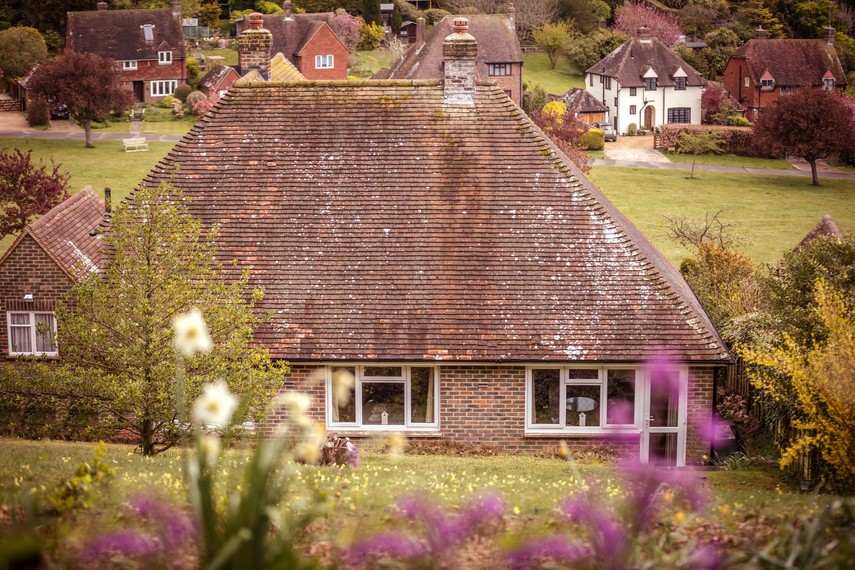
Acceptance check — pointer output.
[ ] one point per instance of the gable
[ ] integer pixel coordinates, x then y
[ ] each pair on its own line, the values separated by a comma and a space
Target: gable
121, 34
321, 39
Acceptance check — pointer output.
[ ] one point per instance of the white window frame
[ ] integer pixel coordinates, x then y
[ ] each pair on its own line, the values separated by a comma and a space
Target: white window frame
326, 61
33, 334
500, 70
828, 84
163, 87
767, 84
129, 65
680, 83
405, 379
164, 57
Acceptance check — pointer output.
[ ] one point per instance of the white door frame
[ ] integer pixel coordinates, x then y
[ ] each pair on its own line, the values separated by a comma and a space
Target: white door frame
682, 415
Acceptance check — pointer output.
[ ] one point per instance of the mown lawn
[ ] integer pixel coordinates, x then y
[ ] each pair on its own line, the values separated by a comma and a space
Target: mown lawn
770, 213
374, 60
730, 160
536, 71
231, 55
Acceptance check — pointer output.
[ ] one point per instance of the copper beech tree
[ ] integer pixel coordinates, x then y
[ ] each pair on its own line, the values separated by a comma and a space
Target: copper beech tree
27, 190
810, 124
89, 85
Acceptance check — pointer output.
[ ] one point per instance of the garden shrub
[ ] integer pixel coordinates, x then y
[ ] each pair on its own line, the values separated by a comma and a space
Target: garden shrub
182, 92
534, 100
166, 102
371, 36
434, 15
737, 140
632, 129
194, 97
38, 112
593, 139
194, 72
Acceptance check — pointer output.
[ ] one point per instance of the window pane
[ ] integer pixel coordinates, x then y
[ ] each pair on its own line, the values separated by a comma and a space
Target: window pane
344, 394
422, 395
383, 403
20, 339
663, 449
583, 405
546, 385
664, 398
44, 333
390, 371
19, 318
583, 374
620, 405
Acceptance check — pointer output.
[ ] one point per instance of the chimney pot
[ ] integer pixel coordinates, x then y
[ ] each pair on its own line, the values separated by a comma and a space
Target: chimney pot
512, 16
760, 33
830, 34
256, 21
460, 26
420, 30
643, 33
101, 6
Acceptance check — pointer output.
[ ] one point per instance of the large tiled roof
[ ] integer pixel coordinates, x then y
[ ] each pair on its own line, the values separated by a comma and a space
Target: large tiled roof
791, 62
581, 101
118, 34
65, 233
291, 35
629, 61
384, 224
826, 227
497, 43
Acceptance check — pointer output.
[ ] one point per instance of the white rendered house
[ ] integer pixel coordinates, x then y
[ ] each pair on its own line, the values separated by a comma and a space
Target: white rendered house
645, 83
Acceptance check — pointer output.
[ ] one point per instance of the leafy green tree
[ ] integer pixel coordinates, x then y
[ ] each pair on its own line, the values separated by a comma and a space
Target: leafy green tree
810, 18
708, 142
585, 51
553, 39
116, 328
396, 20
586, 15
755, 15
371, 12
21, 48
209, 14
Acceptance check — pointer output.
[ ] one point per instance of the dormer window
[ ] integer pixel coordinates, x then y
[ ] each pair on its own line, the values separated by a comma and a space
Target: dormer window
767, 84
164, 57
679, 84
650, 84
129, 65
828, 84
148, 32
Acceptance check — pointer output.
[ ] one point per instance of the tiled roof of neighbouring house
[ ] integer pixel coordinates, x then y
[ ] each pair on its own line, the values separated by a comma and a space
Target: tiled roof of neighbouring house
497, 43
65, 233
281, 69
215, 76
581, 101
791, 62
629, 61
826, 227
385, 224
291, 35
120, 34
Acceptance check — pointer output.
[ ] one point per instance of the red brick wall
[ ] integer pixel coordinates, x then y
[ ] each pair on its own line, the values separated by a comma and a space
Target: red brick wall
152, 70
699, 414
512, 82
28, 269
324, 42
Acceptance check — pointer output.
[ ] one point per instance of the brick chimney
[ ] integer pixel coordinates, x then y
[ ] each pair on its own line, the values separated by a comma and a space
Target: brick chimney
760, 33
830, 34
288, 10
644, 34
254, 46
420, 30
176, 9
102, 6
512, 16
459, 52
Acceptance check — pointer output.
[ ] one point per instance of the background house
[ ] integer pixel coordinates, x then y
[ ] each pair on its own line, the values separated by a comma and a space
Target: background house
41, 266
500, 58
148, 46
217, 80
491, 294
642, 82
761, 70
584, 106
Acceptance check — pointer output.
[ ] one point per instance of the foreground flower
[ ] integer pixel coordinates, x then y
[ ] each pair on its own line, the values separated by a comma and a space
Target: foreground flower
191, 333
215, 406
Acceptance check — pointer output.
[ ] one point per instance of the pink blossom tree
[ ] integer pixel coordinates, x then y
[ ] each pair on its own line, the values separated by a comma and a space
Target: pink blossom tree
347, 28
633, 15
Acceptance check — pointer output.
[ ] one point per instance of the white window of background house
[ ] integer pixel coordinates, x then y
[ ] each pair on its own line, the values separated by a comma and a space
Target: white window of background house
163, 87
679, 84
383, 397
324, 61
164, 57
499, 69
828, 83
32, 333
129, 65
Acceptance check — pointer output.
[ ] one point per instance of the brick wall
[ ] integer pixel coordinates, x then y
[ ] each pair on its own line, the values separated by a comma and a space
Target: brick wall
28, 269
699, 413
324, 42
254, 50
512, 82
148, 71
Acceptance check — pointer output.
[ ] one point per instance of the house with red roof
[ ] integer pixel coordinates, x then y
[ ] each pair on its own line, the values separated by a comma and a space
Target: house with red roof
482, 291
40, 267
762, 70
147, 45
583, 106
218, 80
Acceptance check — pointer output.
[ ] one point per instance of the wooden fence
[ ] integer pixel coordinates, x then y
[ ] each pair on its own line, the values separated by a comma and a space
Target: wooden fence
11, 105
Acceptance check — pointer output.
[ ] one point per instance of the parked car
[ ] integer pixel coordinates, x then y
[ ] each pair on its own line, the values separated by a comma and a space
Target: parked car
609, 132
59, 112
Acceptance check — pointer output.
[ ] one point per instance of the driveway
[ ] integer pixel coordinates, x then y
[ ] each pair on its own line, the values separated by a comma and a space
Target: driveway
634, 149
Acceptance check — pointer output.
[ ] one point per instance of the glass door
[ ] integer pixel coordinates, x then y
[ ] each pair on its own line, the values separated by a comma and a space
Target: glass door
664, 434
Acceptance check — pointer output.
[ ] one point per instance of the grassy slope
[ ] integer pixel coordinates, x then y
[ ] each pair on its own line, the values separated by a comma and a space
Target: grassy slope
374, 60
231, 55
557, 81
773, 213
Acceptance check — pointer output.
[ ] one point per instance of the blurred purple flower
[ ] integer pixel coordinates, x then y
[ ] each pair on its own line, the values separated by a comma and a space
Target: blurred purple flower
645, 481
556, 548
352, 455
707, 557
396, 545
174, 526
126, 543
608, 534
714, 430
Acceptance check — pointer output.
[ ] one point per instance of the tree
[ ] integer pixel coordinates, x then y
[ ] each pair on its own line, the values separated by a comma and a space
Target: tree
371, 12
396, 20
27, 190
553, 39
662, 25
209, 14
89, 85
810, 124
586, 15
116, 328
585, 51
21, 49
347, 28
564, 129
700, 143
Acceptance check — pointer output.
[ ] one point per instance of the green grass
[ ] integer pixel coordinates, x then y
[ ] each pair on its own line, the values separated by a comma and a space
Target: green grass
231, 55
772, 213
374, 60
179, 128
731, 160
536, 71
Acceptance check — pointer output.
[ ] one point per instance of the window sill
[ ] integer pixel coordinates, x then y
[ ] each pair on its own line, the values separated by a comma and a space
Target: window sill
600, 433
29, 355
352, 432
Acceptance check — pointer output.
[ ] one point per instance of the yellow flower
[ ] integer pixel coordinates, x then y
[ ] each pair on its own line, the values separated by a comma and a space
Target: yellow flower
679, 517
396, 444
724, 509
191, 333
343, 382
563, 449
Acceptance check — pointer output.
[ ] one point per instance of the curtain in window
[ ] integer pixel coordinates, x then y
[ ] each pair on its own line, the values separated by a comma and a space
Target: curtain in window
45, 326
20, 332
422, 401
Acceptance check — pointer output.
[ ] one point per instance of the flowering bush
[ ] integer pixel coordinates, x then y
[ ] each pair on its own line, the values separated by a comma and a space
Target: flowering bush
662, 25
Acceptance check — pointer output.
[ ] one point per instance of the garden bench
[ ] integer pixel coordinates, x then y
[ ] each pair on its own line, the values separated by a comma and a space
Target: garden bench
135, 144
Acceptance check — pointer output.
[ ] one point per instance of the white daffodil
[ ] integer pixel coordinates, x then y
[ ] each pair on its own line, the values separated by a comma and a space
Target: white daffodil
297, 403
210, 448
343, 382
215, 406
191, 333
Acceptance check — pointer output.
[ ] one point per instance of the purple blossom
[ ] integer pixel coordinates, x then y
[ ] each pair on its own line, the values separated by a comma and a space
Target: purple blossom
445, 530
352, 455
555, 548
174, 527
608, 534
645, 481
125, 543
395, 545
707, 557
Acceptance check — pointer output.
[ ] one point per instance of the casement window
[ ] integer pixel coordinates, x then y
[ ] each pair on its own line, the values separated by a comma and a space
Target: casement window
591, 79
383, 397
148, 32
747, 82
679, 84
632, 110
680, 115
828, 84
632, 91
650, 84
496, 69
767, 84
324, 62
163, 87
164, 57
32, 333
581, 400
608, 82
129, 65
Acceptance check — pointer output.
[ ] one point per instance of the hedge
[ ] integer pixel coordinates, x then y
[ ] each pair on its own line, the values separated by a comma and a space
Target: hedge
592, 139
737, 140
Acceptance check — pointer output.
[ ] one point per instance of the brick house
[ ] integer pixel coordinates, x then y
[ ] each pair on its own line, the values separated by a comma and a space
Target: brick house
306, 40
762, 70
643, 82
492, 295
500, 57
147, 45
217, 81
41, 266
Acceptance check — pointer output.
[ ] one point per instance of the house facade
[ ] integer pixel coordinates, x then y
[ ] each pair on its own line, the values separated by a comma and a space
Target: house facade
762, 70
147, 45
218, 80
306, 40
584, 106
492, 295
642, 82
40, 268
499, 58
